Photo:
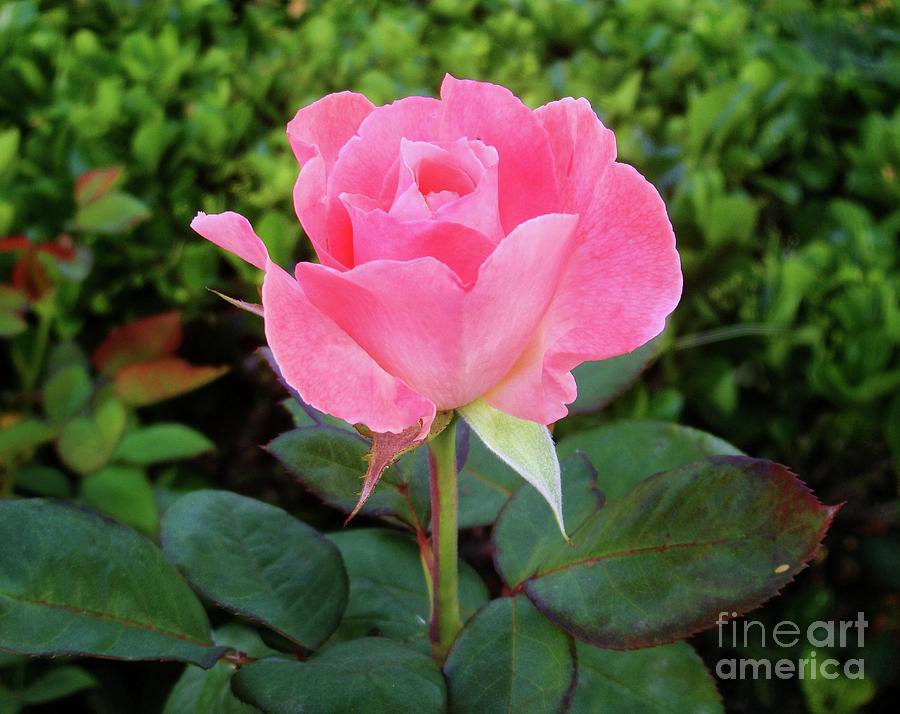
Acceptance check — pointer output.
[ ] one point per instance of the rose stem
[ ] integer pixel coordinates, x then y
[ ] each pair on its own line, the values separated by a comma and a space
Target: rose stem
445, 621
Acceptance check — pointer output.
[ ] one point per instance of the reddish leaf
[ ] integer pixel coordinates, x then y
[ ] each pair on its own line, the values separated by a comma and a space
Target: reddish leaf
29, 274
143, 341
387, 447
61, 248
113, 212
15, 243
138, 385
91, 185
31, 277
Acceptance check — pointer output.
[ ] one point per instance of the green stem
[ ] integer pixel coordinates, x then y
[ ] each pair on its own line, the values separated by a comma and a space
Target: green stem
445, 621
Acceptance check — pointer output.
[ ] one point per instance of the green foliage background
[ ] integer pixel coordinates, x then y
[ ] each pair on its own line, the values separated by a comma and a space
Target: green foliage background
771, 128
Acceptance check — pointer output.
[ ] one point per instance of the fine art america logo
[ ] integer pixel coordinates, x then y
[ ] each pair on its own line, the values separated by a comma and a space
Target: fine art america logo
786, 634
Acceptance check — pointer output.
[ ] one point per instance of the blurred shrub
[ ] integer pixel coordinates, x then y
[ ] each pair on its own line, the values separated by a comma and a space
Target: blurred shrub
773, 131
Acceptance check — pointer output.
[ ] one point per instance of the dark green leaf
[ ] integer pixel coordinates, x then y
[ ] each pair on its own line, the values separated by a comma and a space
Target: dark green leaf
72, 582
669, 678
162, 442
372, 675
326, 455
9, 659
509, 658
388, 593
662, 562
329, 461
43, 481
625, 453
526, 530
601, 382
256, 560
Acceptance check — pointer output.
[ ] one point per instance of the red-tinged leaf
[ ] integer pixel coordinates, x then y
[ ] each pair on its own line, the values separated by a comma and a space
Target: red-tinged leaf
387, 447
113, 212
31, 277
663, 561
93, 184
328, 460
146, 340
138, 385
15, 243
61, 248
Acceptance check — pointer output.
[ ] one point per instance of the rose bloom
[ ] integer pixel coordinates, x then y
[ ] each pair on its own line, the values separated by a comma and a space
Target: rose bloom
469, 247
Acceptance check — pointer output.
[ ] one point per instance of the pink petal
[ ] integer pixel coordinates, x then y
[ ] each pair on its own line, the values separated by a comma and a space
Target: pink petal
234, 233
327, 227
381, 236
624, 277
323, 127
330, 371
434, 168
369, 162
448, 342
466, 170
317, 133
494, 116
580, 144
478, 209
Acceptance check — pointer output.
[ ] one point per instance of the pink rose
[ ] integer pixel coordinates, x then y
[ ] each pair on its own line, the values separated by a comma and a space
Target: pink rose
470, 248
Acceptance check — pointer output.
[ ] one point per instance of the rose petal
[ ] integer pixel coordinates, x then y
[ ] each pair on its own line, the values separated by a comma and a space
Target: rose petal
323, 127
580, 144
417, 320
381, 236
369, 162
494, 116
433, 168
467, 170
317, 133
331, 372
479, 209
624, 277
233, 232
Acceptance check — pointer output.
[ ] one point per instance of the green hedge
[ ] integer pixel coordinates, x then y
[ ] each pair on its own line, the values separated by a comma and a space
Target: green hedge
772, 129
